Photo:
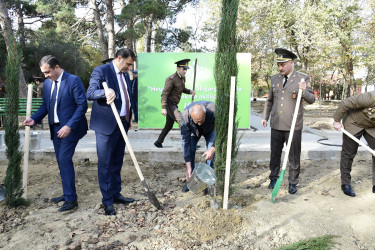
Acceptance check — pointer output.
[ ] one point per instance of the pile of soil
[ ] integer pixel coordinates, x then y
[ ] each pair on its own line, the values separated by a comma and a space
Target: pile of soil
187, 220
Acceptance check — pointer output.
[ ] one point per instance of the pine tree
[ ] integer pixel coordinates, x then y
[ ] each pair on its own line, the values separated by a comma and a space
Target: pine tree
225, 67
13, 178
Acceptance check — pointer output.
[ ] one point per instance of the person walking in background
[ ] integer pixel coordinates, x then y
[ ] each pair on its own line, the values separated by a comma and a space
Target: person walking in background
39, 86
358, 114
280, 105
2, 89
197, 119
170, 98
135, 95
110, 144
65, 103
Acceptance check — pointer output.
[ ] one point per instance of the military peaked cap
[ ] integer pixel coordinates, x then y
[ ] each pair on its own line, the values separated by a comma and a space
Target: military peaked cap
183, 63
284, 55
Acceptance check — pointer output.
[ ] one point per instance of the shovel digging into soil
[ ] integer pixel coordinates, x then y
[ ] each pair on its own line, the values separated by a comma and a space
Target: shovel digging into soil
151, 196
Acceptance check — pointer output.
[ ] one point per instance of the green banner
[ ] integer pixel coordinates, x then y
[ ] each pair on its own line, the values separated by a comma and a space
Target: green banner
154, 68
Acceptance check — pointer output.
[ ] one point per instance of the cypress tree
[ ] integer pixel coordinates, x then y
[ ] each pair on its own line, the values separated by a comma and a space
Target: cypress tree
13, 178
225, 67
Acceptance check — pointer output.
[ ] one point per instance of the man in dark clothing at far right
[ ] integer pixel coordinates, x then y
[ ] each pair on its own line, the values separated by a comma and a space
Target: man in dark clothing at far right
358, 118
197, 119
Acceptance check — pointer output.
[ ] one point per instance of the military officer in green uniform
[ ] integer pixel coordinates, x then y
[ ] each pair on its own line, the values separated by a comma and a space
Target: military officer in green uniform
280, 105
358, 114
171, 96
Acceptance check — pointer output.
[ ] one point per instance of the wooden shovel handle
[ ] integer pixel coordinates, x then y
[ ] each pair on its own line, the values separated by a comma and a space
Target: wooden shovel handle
122, 129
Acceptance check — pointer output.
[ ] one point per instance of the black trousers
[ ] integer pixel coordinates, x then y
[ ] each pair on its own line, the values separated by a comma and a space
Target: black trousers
173, 115
278, 138
349, 151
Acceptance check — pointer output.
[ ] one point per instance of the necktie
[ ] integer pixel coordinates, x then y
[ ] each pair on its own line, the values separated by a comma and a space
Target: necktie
52, 102
126, 99
285, 80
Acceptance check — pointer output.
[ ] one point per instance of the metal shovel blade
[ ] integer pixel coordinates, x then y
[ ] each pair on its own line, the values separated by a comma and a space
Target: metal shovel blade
2, 191
151, 196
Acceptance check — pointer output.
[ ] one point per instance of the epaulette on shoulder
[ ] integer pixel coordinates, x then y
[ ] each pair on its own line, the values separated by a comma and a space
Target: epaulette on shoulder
304, 74
172, 76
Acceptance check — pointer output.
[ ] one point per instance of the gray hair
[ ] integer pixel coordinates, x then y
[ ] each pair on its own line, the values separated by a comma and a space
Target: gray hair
196, 107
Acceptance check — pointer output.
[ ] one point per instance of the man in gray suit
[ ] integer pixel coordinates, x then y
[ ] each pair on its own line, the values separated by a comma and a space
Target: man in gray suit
280, 104
358, 114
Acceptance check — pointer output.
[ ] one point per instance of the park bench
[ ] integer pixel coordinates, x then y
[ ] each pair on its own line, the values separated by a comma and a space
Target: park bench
35, 104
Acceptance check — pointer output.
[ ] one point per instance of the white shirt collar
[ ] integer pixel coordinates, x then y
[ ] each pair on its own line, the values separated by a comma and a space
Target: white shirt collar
117, 70
60, 77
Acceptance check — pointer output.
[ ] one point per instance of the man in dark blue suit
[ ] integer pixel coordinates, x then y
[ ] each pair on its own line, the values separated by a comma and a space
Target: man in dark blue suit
65, 103
110, 145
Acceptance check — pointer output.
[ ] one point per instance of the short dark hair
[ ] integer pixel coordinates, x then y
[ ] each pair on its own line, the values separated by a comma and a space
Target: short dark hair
50, 60
125, 53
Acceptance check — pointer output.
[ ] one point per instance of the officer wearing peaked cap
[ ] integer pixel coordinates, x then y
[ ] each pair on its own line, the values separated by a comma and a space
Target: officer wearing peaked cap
280, 105
171, 96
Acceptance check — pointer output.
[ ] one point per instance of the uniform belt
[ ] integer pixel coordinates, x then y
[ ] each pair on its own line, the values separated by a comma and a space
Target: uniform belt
56, 124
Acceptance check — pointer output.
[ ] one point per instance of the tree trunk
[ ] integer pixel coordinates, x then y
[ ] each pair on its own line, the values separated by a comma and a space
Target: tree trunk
130, 40
149, 33
99, 28
21, 25
6, 27
111, 29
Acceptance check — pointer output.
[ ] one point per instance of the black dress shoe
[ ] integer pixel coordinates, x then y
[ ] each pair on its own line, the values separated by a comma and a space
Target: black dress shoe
109, 210
68, 205
272, 184
373, 189
158, 144
185, 188
121, 199
58, 199
292, 188
347, 189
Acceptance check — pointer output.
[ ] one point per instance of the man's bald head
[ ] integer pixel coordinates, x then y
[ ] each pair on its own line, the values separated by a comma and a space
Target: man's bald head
198, 114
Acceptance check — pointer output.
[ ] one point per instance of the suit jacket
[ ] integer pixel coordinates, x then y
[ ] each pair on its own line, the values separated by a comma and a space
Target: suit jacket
280, 103
102, 118
358, 113
71, 105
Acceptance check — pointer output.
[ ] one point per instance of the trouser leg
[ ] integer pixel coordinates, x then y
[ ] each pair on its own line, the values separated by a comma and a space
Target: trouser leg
294, 156
277, 144
64, 151
348, 152
371, 142
167, 127
110, 150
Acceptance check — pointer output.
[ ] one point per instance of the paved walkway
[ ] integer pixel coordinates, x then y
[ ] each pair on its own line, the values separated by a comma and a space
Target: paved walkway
254, 145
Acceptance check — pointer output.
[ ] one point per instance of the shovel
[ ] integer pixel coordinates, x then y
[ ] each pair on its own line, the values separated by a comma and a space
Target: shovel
151, 196
286, 156
358, 141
